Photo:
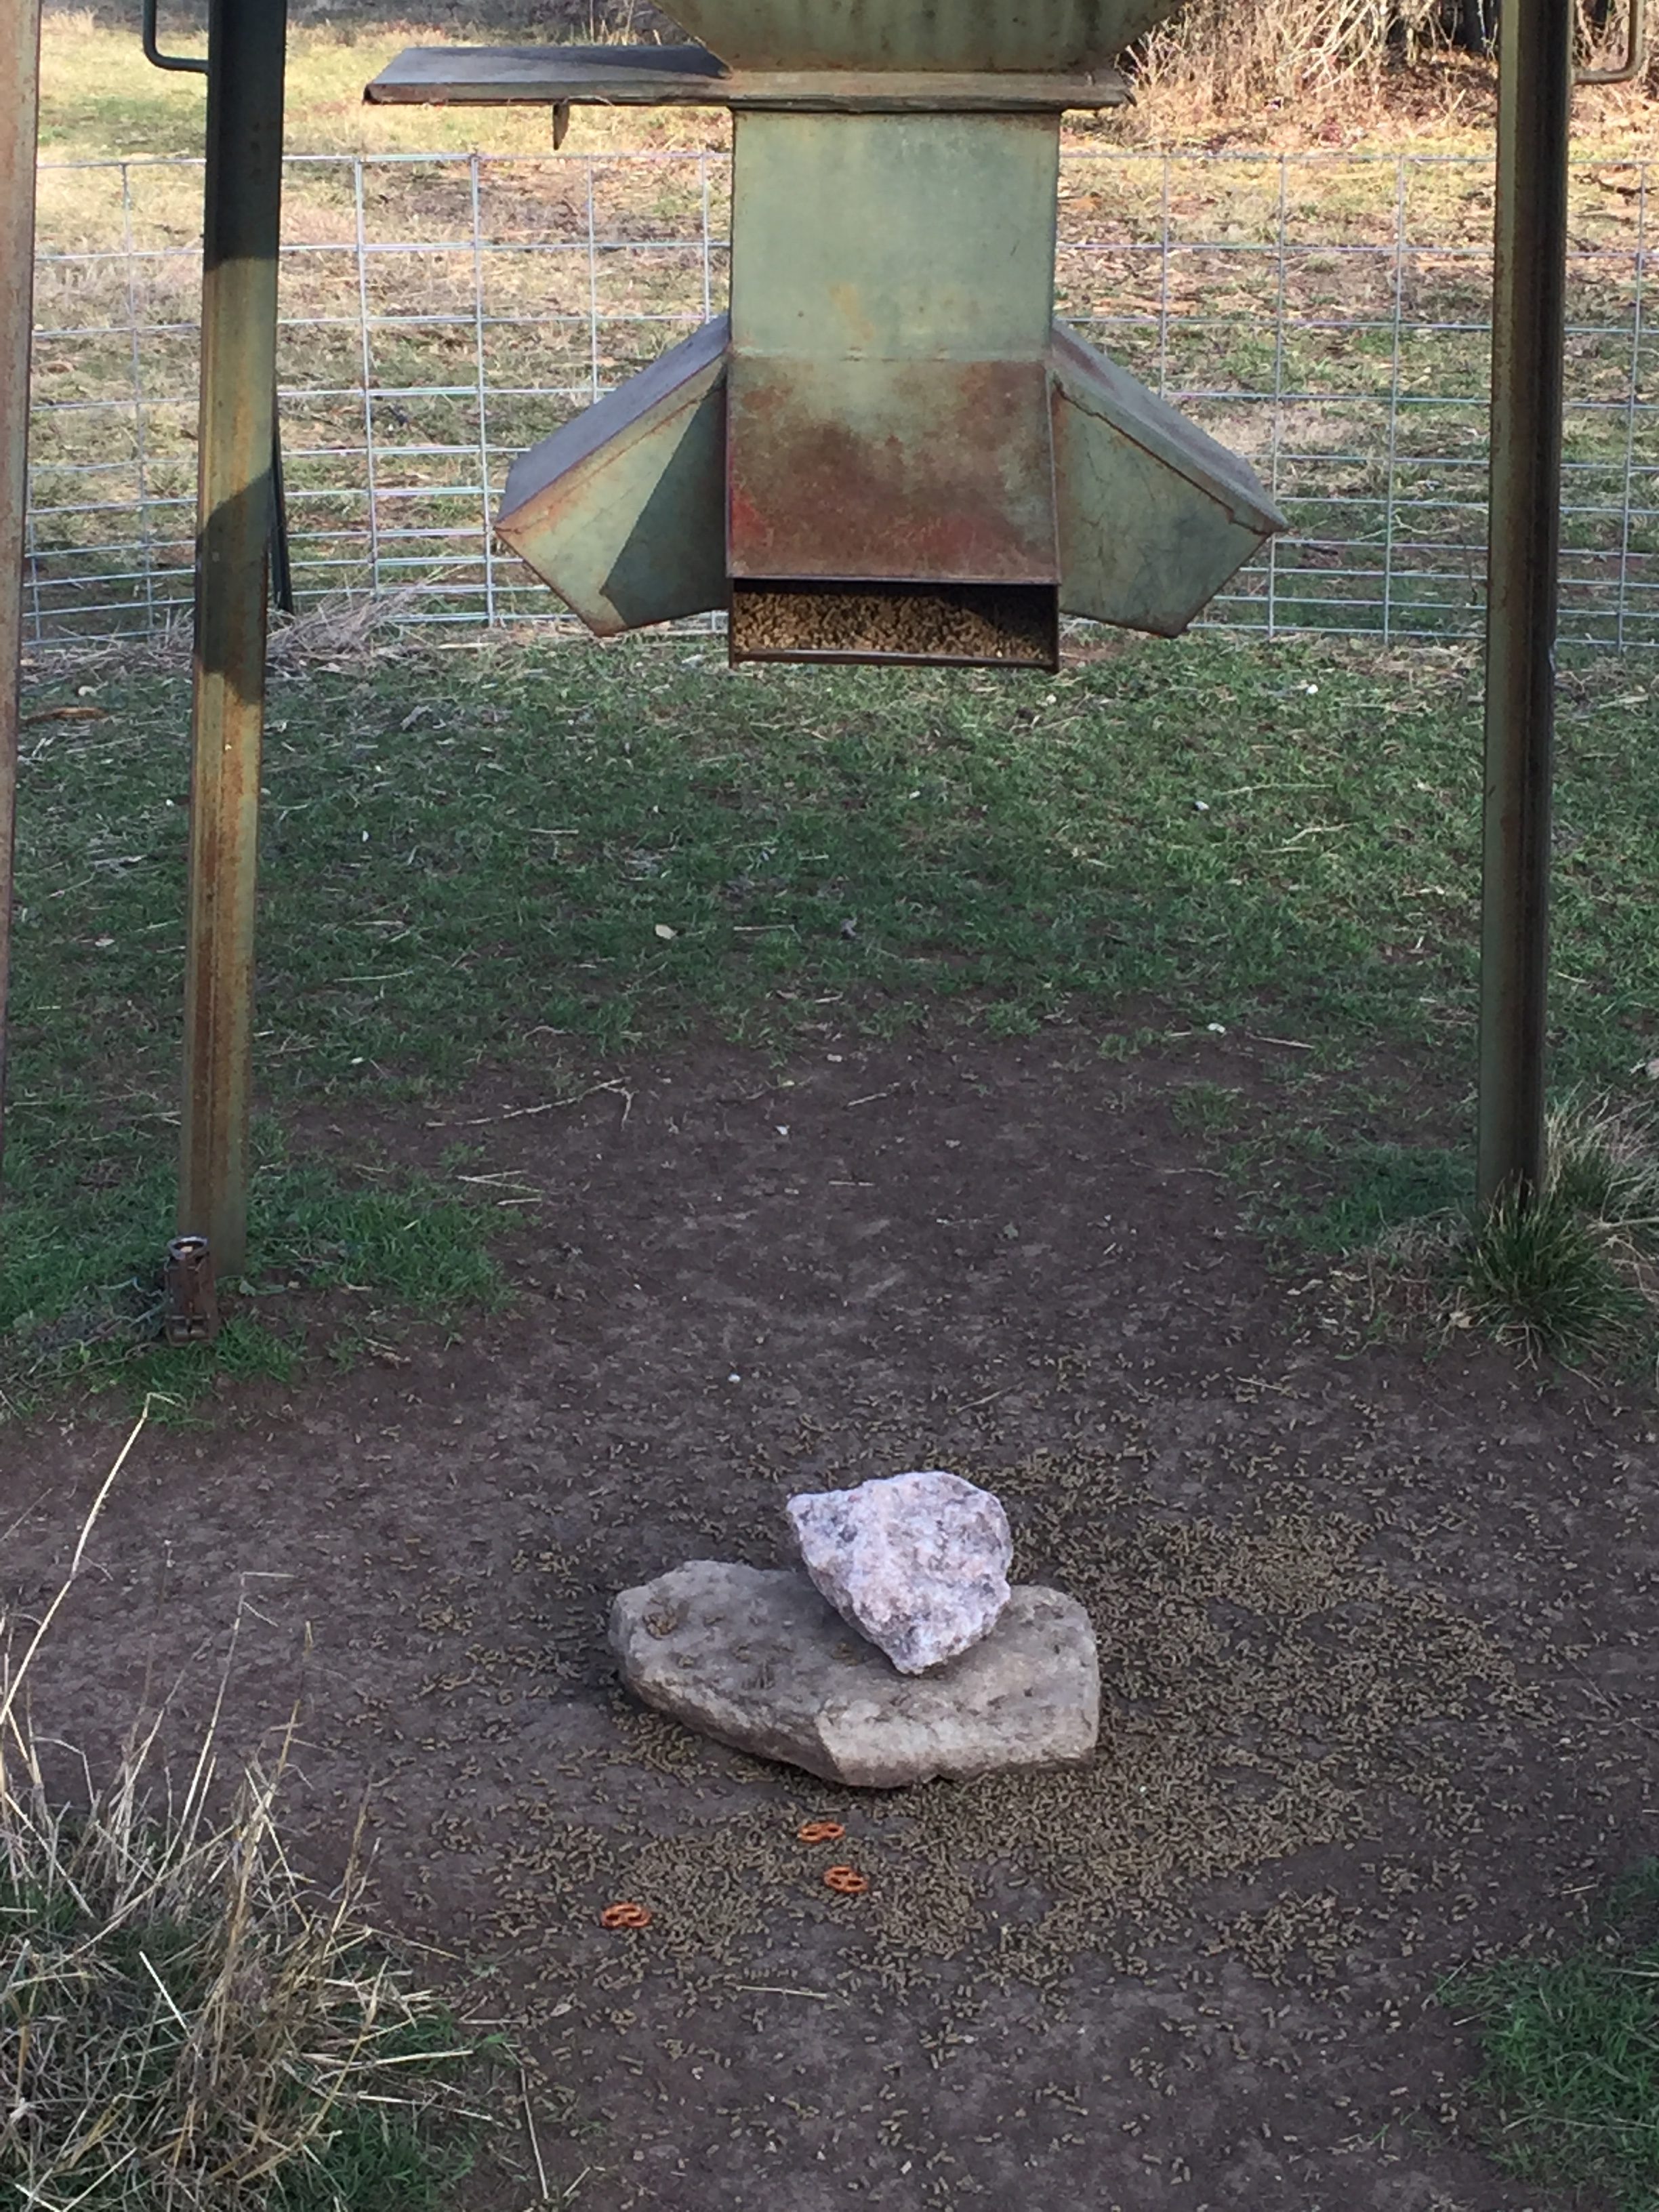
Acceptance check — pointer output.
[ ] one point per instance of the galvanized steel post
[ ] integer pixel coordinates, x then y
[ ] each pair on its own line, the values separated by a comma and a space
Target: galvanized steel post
20, 104
1529, 315
246, 41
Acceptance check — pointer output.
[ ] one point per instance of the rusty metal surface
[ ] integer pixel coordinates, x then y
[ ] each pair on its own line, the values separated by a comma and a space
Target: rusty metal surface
892, 291
235, 436
891, 386
1528, 318
189, 1294
20, 90
905, 35
653, 77
938, 470
1524, 562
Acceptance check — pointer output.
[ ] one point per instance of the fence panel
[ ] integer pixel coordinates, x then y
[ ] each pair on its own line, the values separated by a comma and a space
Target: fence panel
1325, 313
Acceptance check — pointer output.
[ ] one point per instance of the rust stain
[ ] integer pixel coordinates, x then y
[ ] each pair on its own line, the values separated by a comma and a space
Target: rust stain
949, 478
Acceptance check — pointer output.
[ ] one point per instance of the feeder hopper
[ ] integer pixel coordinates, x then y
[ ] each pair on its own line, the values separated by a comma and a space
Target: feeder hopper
889, 450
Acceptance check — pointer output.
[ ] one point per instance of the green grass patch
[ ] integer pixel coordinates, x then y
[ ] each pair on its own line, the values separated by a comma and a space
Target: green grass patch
1571, 1273
560, 854
1542, 1275
1577, 1270
1571, 2079
1208, 1109
99, 97
80, 1276
1377, 1188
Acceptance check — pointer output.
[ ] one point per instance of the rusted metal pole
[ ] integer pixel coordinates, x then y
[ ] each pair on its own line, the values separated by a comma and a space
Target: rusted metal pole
1535, 69
19, 114
246, 41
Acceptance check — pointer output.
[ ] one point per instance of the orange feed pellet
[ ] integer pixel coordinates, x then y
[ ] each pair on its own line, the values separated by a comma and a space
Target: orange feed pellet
625, 1916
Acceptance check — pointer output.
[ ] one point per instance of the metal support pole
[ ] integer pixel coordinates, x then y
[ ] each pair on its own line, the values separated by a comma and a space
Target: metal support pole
1528, 315
241, 229
20, 108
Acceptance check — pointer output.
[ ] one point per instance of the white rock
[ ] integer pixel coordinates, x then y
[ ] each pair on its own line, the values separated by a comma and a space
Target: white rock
918, 1562
753, 1656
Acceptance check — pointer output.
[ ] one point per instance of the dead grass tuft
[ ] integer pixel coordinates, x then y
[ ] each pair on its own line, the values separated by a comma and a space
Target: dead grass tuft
186, 2022
1235, 55
1573, 1275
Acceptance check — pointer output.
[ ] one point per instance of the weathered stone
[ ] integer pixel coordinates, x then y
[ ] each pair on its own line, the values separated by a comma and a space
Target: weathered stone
918, 1562
754, 1656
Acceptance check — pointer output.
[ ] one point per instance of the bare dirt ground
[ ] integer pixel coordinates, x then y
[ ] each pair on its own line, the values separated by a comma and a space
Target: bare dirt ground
1376, 1632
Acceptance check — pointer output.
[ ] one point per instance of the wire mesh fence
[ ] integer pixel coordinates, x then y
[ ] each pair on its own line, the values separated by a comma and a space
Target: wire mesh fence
1326, 314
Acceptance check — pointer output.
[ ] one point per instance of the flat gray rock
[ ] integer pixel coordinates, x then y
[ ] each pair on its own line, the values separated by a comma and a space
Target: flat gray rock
918, 1562
754, 1657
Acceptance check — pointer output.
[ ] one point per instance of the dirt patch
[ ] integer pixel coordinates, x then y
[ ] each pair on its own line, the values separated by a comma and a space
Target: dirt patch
1374, 1631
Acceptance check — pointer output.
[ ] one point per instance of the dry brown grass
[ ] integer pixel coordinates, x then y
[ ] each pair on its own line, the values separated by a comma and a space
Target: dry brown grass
1308, 73
186, 2023
1235, 54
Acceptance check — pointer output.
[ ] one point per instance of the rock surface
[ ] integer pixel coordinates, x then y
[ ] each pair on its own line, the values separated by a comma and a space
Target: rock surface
754, 1656
918, 1562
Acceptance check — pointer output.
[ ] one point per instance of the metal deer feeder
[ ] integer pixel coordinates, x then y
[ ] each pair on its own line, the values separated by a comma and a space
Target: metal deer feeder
889, 450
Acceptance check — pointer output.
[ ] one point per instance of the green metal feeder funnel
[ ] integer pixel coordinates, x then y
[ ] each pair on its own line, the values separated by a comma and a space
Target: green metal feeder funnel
1056, 37
889, 450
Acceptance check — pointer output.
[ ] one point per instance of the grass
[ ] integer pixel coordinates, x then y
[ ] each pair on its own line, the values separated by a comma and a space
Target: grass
186, 2023
1577, 1270
1283, 82
100, 98
555, 857
1571, 1275
1571, 2081
314, 1229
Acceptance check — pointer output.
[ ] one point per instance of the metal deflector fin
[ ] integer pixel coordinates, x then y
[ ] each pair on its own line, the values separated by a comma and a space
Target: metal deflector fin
1154, 515
623, 509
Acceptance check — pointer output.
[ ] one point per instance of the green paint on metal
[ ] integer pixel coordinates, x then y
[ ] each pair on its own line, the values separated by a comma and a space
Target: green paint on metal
1154, 515
622, 510
893, 237
919, 34
892, 436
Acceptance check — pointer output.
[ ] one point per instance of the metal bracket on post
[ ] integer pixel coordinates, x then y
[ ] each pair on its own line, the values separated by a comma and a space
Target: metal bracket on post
282, 558
153, 53
1635, 63
190, 1299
